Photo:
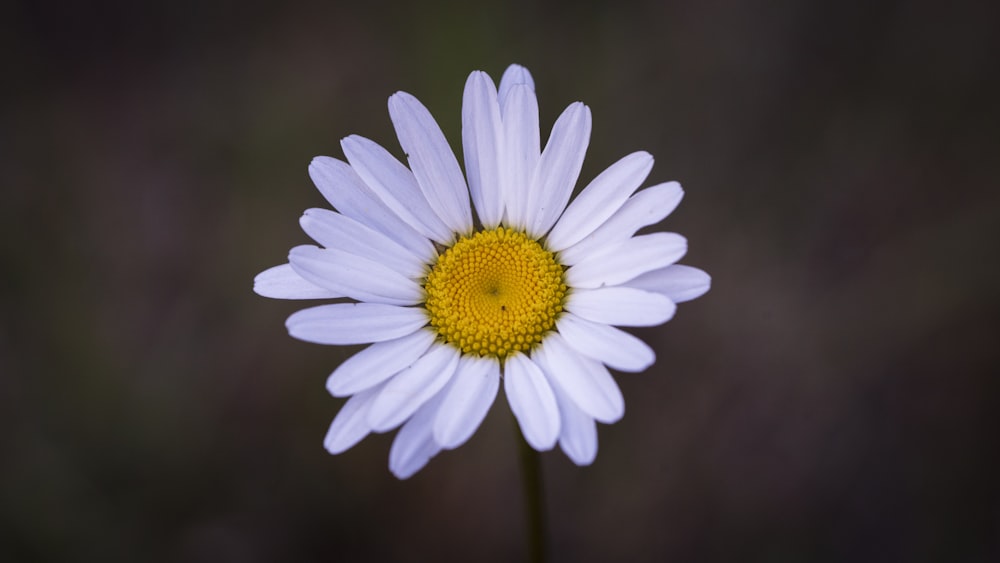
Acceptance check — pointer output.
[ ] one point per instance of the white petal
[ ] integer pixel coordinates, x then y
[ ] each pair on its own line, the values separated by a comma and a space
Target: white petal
395, 185
521, 151
678, 282
647, 207
354, 276
348, 194
410, 388
532, 401
616, 348
350, 425
354, 323
515, 75
558, 168
378, 362
466, 401
334, 230
585, 381
619, 262
432, 161
622, 306
600, 199
414, 445
281, 282
578, 434
482, 142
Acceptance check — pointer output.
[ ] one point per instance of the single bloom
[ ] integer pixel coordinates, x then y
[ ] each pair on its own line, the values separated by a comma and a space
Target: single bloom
462, 281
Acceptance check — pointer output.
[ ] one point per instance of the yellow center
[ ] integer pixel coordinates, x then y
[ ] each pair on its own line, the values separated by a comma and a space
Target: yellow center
494, 293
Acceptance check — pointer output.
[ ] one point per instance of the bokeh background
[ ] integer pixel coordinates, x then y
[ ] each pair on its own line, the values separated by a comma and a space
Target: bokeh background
833, 398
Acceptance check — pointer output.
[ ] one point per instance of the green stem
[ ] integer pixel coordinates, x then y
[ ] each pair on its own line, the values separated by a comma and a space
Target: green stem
534, 501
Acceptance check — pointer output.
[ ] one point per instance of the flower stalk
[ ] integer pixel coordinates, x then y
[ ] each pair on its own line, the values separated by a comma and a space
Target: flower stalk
534, 499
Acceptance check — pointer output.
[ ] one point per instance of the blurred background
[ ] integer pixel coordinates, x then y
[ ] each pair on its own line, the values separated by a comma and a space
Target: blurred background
833, 398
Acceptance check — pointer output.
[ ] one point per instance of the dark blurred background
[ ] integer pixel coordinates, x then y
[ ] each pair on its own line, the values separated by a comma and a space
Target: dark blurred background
833, 398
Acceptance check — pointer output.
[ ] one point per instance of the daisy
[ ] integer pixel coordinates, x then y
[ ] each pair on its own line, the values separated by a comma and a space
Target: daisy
458, 296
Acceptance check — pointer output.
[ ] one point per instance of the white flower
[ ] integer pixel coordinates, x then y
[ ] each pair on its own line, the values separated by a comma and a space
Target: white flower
526, 290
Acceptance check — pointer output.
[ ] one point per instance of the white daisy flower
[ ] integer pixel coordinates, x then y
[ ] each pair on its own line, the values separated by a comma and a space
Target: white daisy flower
517, 287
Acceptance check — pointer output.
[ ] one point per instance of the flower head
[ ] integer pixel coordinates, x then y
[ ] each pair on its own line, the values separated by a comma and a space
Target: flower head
527, 289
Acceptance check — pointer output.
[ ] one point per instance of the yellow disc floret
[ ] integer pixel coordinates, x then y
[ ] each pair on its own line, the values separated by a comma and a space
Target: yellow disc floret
495, 292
